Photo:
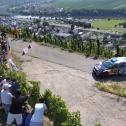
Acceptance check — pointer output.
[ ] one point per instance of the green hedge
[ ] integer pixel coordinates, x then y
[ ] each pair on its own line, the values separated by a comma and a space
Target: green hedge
57, 111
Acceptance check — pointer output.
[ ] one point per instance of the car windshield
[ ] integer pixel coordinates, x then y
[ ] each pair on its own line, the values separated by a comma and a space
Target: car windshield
108, 63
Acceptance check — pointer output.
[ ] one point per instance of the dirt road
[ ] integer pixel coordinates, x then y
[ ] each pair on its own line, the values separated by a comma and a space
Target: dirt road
69, 75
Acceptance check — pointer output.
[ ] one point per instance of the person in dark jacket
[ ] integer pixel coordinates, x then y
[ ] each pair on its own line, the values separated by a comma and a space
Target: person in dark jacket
14, 87
15, 112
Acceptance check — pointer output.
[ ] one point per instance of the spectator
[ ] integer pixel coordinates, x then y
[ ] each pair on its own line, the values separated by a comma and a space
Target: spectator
6, 98
13, 66
29, 47
27, 115
0, 89
3, 34
37, 117
25, 51
14, 87
16, 109
5, 81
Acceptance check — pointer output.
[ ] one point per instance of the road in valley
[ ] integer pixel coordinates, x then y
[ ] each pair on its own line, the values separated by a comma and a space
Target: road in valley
69, 76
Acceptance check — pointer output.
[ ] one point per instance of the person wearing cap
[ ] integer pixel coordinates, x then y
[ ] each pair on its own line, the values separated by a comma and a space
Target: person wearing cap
15, 112
5, 81
6, 97
14, 86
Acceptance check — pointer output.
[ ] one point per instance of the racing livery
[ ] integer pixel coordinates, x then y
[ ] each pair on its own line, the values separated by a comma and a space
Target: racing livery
113, 66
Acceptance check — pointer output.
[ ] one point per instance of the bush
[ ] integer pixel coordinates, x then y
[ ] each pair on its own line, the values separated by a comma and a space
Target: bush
58, 112
73, 119
97, 124
34, 92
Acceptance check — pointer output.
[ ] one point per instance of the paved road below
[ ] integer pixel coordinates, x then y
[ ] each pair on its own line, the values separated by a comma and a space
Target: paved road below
69, 75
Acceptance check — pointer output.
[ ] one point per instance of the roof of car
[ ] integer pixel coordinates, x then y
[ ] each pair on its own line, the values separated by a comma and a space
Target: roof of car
118, 59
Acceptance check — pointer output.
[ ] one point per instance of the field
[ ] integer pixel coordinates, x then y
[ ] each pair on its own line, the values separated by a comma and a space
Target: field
106, 24
91, 4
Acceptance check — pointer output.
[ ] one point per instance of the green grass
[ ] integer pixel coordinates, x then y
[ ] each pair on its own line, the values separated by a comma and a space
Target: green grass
106, 24
91, 4
115, 89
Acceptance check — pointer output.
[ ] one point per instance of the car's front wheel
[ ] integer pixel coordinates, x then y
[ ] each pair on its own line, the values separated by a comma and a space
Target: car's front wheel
105, 74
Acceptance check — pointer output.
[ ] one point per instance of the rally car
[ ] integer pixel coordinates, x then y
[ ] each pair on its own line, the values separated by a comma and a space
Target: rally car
113, 66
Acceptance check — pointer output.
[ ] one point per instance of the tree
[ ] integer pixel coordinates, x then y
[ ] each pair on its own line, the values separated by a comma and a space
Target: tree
117, 50
124, 35
98, 48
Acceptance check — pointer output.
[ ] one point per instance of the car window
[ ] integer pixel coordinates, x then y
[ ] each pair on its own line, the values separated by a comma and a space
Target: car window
108, 63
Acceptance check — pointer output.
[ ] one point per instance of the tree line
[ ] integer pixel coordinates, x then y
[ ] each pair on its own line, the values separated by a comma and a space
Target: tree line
90, 48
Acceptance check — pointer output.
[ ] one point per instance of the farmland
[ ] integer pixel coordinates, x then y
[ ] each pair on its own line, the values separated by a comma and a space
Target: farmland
91, 4
112, 25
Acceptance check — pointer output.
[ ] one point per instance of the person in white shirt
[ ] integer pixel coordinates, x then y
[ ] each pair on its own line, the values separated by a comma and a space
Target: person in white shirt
5, 81
6, 97
25, 51
12, 65
37, 117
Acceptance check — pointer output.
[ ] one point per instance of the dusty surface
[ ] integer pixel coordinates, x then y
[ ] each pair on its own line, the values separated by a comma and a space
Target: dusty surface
69, 75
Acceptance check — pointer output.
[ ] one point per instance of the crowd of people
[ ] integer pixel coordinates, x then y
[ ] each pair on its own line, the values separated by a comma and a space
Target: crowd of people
16, 106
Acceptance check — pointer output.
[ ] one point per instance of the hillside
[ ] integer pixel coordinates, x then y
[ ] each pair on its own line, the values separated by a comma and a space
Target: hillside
91, 4
68, 4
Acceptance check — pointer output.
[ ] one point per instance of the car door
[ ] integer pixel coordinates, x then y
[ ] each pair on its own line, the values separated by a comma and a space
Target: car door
114, 70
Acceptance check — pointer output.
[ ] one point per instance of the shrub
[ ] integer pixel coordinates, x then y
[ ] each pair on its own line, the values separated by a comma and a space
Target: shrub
73, 119
97, 124
34, 92
57, 111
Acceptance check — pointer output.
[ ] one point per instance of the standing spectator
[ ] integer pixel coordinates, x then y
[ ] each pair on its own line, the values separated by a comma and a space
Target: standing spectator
5, 81
16, 109
37, 117
25, 51
14, 87
12, 65
3, 34
6, 98
27, 115
29, 47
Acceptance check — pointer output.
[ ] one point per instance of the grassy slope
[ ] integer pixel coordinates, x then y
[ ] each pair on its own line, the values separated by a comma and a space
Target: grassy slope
116, 89
91, 4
